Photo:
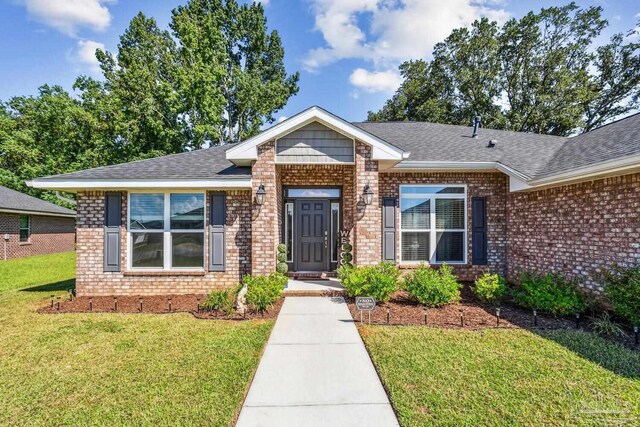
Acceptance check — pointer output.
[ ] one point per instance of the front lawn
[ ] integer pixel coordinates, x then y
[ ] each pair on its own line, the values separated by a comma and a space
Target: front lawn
115, 369
505, 377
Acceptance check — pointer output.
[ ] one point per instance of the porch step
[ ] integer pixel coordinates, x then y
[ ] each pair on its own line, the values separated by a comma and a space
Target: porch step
306, 275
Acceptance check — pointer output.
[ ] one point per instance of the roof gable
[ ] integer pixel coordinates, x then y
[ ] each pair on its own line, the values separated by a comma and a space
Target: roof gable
245, 152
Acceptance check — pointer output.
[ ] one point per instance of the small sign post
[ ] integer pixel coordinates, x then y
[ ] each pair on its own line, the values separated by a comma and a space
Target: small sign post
365, 304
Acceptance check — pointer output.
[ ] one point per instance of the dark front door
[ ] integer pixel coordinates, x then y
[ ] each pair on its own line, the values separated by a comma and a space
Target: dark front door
312, 232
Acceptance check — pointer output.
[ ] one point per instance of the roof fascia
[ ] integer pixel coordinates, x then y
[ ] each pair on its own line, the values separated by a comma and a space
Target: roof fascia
124, 184
37, 213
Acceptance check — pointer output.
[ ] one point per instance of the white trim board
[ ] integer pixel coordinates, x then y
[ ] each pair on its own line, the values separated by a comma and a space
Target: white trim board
138, 184
35, 213
247, 151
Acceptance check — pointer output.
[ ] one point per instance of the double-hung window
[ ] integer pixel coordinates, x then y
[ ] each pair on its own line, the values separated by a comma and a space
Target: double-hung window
433, 224
25, 228
166, 231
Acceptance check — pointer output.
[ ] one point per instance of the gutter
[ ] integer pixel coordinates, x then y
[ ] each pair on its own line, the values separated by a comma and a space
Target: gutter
628, 163
37, 213
125, 184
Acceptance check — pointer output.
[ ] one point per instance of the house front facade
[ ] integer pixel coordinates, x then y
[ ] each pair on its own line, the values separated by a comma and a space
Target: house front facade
408, 193
30, 226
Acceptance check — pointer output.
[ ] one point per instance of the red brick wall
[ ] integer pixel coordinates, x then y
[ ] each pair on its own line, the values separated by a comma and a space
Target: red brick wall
49, 234
493, 186
264, 218
91, 280
575, 229
367, 243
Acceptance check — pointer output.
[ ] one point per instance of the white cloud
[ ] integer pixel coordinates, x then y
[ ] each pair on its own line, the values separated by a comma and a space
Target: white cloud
387, 32
375, 81
69, 15
85, 55
282, 119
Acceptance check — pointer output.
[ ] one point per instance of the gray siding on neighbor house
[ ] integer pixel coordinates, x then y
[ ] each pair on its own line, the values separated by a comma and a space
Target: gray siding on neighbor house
314, 143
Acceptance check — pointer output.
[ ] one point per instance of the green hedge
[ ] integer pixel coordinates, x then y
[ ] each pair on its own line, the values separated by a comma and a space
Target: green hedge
550, 292
263, 291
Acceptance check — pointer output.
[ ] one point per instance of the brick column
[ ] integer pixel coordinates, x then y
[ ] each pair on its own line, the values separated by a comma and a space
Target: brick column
264, 219
367, 219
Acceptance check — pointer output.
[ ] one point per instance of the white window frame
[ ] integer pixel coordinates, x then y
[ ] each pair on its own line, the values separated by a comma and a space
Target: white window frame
432, 221
166, 231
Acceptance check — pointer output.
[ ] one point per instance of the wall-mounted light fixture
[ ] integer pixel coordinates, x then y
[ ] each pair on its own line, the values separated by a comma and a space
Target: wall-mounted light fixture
260, 195
367, 195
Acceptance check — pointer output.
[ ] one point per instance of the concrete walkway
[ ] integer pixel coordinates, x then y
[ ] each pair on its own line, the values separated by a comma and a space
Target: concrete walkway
316, 371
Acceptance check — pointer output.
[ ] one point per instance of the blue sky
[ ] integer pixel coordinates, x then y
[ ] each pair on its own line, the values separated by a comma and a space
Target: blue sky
347, 51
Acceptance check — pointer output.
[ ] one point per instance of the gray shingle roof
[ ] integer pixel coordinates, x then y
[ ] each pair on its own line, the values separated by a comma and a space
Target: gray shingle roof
527, 153
209, 163
16, 201
532, 155
612, 141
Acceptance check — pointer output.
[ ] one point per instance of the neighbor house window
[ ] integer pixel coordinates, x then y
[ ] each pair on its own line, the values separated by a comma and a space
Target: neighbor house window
166, 230
433, 223
25, 228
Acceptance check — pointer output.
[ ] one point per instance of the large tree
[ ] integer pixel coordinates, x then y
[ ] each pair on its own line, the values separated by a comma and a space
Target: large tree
541, 73
48, 134
231, 77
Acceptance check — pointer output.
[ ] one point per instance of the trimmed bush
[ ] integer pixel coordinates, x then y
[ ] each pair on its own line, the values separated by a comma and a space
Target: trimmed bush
433, 287
550, 293
220, 301
345, 255
263, 291
622, 291
282, 267
281, 264
378, 281
490, 288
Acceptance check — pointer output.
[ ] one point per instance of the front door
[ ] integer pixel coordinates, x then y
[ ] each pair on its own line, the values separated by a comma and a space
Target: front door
312, 232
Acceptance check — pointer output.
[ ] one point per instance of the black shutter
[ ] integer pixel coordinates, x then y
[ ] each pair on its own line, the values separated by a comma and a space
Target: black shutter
217, 221
112, 223
389, 229
479, 230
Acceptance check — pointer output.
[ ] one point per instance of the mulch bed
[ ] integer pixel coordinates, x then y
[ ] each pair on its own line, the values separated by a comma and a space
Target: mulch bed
402, 310
158, 304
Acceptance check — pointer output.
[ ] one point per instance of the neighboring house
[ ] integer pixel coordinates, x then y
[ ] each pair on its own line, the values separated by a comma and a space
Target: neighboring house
405, 192
30, 226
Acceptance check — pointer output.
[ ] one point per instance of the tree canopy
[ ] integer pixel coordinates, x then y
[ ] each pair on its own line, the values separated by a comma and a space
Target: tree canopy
215, 76
541, 73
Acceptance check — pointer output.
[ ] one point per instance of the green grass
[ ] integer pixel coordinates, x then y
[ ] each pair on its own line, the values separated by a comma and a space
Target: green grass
115, 369
505, 377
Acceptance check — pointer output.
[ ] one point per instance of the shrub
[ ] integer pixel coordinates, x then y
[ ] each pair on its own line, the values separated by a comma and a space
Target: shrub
263, 291
281, 265
345, 254
604, 325
622, 291
378, 281
490, 288
551, 293
220, 301
433, 287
